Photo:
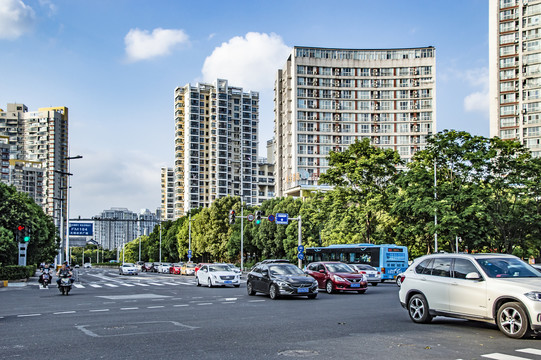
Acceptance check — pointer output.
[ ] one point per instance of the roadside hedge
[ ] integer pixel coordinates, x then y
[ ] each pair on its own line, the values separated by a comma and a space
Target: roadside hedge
16, 272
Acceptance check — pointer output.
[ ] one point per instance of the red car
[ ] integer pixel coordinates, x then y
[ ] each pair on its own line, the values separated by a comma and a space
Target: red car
175, 269
336, 276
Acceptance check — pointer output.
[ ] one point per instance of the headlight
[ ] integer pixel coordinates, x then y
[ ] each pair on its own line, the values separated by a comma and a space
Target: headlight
282, 284
364, 277
314, 283
338, 278
533, 295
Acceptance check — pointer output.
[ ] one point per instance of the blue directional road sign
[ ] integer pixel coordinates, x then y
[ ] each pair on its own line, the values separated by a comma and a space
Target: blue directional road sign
300, 248
189, 254
282, 219
81, 229
300, 256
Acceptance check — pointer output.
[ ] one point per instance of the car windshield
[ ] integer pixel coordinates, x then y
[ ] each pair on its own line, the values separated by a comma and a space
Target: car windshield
339, 268
218, 268
364, 267
128, 265
190, 265
507, 267
285, 269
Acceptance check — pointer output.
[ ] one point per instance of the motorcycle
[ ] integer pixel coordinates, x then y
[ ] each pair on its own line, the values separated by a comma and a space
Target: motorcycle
65, 284
45, 279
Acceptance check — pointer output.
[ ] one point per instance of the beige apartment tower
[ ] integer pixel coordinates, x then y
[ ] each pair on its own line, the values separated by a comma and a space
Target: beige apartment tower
38, 148
215, 145
325, 99
515, 71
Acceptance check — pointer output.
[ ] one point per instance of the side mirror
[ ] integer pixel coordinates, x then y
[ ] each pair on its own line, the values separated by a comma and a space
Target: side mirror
322, 271
473, 276
265, 273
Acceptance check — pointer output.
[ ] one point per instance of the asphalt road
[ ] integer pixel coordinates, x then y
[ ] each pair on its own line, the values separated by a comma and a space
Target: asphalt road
154, 316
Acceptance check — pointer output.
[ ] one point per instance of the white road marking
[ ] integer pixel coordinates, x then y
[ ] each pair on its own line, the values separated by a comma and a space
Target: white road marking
530, 351
230, 299
256, 300
28, 315
204, 304
124, 284
170, 283
98, 310
141, 284
499, 356
95, 285
64, 312
157, 284
155, 307
79, 286
180, 305
111, 285
132, 308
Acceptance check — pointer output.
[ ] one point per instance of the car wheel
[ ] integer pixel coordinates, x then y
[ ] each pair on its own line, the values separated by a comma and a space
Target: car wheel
374, 284
361, 291
418, 309
210, 282
399, 281
273, 292
312, 296
197, 281
512, 320
250, 288
328, 287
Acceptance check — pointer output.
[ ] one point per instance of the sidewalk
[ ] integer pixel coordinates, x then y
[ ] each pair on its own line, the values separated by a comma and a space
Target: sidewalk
20, 283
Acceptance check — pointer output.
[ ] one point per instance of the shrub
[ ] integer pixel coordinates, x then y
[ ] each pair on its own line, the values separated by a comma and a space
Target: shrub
15, 272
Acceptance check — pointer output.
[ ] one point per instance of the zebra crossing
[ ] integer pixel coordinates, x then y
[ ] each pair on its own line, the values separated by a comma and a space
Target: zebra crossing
523, 354
118, 284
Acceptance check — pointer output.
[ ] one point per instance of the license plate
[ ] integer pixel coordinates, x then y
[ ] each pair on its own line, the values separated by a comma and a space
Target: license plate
227, 282
302, 290
355, 285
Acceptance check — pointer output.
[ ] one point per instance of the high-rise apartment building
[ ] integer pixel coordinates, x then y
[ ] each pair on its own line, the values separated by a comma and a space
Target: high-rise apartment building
216, 144
116, 227
325, 99
265, 175
38, 140
515, 71
167, 207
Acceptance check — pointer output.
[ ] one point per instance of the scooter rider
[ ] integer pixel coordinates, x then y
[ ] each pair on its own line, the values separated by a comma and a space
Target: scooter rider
46, 270
64, 271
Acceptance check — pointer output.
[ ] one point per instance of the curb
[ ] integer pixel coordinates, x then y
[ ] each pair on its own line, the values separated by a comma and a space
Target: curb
8, 283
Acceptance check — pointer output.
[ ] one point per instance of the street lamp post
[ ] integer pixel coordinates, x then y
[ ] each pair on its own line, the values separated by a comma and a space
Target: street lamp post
68, 158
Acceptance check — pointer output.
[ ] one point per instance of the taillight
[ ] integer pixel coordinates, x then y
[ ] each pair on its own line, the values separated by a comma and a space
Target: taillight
379, 273
383, 270
363, 272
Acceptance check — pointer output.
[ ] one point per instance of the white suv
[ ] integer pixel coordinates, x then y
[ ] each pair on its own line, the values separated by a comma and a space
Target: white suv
496, 288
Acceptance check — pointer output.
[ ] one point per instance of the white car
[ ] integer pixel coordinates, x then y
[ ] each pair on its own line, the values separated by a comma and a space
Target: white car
217, 275
127, 269
164, 268
497, 288
373, 276
87, 266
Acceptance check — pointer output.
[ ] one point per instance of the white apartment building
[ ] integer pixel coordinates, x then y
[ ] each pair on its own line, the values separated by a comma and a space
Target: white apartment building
325, 99
265, 175
38, 142
515, 71
216, 144
167, 207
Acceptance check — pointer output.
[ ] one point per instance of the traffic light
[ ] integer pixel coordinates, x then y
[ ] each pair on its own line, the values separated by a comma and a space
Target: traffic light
26, 234
258, 217
231, 217
19, 233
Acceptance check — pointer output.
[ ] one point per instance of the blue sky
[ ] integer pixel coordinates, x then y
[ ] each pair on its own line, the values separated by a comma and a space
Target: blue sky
115, 65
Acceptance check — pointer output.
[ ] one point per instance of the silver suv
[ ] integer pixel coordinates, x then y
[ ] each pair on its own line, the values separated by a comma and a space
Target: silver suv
497, 288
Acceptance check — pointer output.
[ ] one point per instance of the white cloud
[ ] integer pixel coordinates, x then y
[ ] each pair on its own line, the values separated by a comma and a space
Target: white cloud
250, 62
16, 18
105, 179
477, 101
142, 45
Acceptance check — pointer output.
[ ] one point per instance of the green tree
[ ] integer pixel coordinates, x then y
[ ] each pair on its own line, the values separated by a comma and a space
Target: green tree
359, 202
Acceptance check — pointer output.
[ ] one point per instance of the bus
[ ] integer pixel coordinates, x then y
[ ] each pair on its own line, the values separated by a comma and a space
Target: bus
389, 259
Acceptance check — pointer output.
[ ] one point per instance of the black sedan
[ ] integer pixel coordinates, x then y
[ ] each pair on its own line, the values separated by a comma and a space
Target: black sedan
280, 279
